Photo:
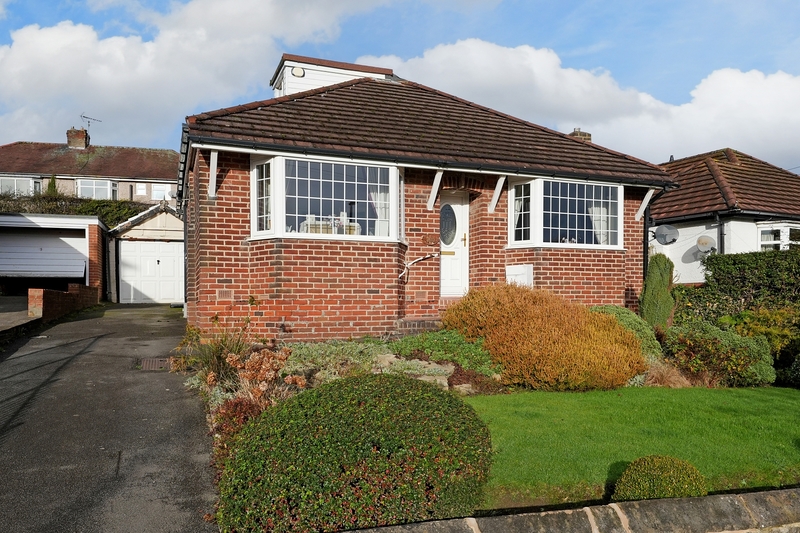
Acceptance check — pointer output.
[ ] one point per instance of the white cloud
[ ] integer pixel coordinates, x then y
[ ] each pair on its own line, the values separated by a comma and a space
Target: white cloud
205, 53
756, 113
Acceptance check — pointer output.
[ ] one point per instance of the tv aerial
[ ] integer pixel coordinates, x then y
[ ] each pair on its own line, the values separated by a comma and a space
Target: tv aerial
88, 120
665, 234
706, 244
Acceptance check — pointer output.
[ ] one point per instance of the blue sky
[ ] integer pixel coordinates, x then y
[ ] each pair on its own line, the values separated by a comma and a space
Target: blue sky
651, 79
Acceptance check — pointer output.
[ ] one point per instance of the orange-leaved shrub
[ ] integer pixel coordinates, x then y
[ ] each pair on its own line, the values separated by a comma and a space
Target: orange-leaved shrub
545, 342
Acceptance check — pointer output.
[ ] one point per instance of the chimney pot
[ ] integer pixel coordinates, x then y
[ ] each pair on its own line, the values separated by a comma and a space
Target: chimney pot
582, 135
77, 138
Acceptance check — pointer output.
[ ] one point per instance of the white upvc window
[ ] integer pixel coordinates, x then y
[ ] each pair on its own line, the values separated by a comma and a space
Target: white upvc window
97, 189
141, 189
158, 191
329, 199
779, 236
20, 186
565, 213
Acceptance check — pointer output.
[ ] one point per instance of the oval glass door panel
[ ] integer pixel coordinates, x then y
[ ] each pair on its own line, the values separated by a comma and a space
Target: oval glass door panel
447, 225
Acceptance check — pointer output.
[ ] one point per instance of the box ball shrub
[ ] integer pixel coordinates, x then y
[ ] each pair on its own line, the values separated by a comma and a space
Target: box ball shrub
659, 476
545, 342
357, 452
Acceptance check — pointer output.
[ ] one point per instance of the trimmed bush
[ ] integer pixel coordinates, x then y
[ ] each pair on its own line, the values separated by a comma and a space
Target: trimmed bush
545, 342
659, 476
781, 328
651, 348
446, 345
358, 452
656, 302
713, 356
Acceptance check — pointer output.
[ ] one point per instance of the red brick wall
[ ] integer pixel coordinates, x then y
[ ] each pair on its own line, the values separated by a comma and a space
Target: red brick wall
96, 254
317, 289
50, 305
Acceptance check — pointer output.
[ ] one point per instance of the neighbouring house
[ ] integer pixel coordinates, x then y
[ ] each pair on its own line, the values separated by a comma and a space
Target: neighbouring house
144, 175
145, 257
365, 203
52, 252
728, 202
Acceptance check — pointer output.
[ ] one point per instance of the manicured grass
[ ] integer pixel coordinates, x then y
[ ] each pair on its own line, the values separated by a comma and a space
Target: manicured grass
559, 447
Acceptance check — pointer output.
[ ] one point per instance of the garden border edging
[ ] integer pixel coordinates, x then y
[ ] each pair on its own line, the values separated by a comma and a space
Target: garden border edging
777, 511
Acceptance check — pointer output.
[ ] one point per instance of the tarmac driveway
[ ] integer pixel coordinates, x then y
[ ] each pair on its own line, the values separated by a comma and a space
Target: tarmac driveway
90, 442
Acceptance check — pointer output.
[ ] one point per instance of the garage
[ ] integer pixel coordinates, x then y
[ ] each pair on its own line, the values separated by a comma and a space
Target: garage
146, 258
150, 271
49, 252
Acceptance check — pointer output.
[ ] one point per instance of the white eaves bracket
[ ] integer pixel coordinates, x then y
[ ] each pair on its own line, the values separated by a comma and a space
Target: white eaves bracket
437, 182
212, 178
645, 203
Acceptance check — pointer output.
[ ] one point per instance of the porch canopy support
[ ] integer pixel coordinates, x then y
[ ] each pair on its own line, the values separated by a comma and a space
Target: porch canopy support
498, 190
645, 203
212, 178
437, 182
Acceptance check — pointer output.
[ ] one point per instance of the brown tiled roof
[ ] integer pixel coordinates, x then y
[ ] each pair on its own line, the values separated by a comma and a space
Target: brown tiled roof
727, 181
402, 121
47, 159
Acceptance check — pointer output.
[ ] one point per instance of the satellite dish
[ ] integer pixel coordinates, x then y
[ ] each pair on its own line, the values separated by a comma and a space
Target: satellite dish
666, 234
706, 244
170, 195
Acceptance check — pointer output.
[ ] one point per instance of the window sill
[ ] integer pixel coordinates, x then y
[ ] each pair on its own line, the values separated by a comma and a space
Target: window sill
566, 246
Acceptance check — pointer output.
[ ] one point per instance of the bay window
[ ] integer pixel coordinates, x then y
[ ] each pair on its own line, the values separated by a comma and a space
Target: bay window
779, 236
547, 212
302, 197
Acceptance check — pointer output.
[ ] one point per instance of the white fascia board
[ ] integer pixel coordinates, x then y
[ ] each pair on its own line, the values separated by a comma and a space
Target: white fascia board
287, 66
50, 221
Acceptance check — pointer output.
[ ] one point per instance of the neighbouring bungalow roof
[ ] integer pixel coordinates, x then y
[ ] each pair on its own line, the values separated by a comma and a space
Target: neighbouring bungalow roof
48, 159
408, 123
727, 181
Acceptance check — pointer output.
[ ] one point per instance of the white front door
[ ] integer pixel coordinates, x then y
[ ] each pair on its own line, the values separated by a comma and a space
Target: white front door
454, 243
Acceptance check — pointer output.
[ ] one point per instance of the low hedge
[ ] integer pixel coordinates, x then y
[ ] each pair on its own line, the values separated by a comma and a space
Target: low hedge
358, 452
703, 351
659, 476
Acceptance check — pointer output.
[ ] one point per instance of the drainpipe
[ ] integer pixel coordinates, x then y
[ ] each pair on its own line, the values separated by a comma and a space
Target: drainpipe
720, 234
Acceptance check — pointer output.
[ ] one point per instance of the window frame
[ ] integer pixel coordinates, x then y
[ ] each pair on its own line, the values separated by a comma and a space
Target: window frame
110, 186
277, 199
158, 188
783, 242
536, 238
34, 185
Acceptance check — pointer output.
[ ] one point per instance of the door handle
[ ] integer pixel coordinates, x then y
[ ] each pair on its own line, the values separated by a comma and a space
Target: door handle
464, 239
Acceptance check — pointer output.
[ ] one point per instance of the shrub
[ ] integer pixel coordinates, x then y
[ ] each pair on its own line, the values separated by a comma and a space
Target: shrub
446, 345
320, 362
207, 353
261, 377
542, 341
713, 356
651, 348
227, 420
659, 476
778, 326
663, 374
791, 375
356, 452
656, 302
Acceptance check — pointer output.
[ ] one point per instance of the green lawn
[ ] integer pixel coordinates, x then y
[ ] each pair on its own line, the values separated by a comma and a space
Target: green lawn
560, 447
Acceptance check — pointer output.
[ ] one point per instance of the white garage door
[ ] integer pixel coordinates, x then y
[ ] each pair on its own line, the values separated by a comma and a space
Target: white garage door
150, 272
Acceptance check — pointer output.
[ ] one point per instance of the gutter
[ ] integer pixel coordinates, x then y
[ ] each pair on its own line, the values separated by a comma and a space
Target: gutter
191, 142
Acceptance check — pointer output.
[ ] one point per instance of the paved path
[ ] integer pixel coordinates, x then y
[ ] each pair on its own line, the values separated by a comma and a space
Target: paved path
89, 442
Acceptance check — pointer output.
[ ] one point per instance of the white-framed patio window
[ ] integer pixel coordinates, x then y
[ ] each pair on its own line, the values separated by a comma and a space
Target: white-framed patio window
778, 236
565, 213
97, 189
324, 198
20, 186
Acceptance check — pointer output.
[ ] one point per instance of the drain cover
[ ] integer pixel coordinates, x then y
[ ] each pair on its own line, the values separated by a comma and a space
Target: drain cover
154, 364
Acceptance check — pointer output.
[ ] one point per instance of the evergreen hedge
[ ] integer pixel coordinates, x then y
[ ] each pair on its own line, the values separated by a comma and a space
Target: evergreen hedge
656, 302
110, 212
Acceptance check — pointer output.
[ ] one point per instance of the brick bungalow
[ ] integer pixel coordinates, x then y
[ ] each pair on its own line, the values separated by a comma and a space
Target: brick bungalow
364, 203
